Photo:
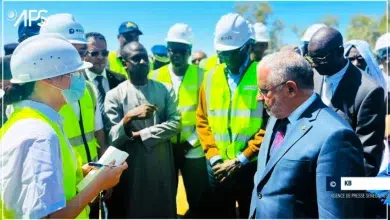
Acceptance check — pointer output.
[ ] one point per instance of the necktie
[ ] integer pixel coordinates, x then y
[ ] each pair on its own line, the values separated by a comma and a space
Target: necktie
279, 133
327, 92
101, 93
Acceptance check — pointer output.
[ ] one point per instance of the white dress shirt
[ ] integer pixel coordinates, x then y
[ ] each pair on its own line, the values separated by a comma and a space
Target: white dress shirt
194, 152
92, 78
330, 84
31, 165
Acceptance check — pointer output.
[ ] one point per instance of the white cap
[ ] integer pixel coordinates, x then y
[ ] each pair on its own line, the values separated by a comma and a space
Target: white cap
311, 31
66, 25
1, 93
383, 42
180, 33
231, 32
260, 32
45, 56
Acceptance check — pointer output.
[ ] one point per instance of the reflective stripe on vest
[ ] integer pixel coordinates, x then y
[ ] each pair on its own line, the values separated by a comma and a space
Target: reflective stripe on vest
211, 63
188, 97
115, 64
72, 127
245, 112
71, 169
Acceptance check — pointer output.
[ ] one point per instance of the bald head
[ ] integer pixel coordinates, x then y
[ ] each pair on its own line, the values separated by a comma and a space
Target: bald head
325, 40
197, 57
326, 51
131, 48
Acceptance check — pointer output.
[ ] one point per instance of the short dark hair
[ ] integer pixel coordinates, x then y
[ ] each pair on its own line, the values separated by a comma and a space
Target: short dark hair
95, 35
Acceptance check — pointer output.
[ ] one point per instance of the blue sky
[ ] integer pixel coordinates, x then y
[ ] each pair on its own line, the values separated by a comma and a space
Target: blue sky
155, 18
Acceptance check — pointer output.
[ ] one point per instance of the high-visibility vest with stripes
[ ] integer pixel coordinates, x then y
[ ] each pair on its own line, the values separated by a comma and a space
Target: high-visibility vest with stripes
115, 64
72, 128
211, 63
70, 166
187, 97
246, 114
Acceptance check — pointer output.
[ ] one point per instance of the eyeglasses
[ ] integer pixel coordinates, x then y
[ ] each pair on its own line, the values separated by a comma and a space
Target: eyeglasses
76, 75
129, 36
226, 55
137, 58
358, 58
265, 91
194, 61
82, 53
104, 53
321, 60
178, 50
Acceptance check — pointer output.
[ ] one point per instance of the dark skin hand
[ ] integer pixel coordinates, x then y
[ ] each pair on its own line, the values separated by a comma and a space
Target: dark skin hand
223, 170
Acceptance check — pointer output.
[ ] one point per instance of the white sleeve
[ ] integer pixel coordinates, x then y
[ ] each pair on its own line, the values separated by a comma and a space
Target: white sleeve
32, 170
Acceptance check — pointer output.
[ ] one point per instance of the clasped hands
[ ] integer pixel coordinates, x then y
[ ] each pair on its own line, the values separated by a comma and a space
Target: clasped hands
225, 169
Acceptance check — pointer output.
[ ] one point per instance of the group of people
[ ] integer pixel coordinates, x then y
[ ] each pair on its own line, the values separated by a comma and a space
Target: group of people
248, 126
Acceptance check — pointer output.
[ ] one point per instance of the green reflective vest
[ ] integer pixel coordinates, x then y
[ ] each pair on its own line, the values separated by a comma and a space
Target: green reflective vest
211, 63
233, 122
72, 128
187, 97
70, 167
115, 64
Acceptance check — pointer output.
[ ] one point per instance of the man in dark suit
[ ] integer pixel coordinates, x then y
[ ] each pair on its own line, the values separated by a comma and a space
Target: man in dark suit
305, 144
103, 79
355, 96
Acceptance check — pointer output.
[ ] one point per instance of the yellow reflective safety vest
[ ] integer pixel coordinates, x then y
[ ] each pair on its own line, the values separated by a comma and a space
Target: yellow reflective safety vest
115, 64
233, 122
70, 167
211, 63
72, 127
187, 98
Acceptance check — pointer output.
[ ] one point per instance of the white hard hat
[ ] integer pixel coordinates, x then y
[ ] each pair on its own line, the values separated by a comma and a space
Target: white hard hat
1, 93
311, 30
383, 42
66, 25
260, 32
231, 32
45, 56
180, 33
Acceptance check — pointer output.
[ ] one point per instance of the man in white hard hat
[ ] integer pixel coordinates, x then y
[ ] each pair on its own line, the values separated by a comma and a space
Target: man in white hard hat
307, 36
186, 80
83, 122
229, 119
260, 36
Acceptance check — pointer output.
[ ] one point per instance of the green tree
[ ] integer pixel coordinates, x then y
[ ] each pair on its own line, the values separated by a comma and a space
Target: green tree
363, 27
331, 21
261, 12
384, 22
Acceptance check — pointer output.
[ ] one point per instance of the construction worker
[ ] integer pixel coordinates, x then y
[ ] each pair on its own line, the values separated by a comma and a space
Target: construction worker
229, 120
186, 80
38, 165
261, 39
197, 57
88, 136
128, 31
159, 57
307, 36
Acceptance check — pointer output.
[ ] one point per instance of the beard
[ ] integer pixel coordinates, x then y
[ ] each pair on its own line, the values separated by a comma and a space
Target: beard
275, 110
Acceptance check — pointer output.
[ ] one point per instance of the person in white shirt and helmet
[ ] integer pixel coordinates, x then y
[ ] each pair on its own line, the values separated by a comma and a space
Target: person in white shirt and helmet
39, 167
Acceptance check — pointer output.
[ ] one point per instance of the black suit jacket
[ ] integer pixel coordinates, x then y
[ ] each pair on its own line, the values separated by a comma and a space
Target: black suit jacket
360, 101
114, 79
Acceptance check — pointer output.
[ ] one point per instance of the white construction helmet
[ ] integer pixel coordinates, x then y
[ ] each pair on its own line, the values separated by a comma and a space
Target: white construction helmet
231, 32
311, 30
45, 56
66, 25
180, 33
382, 42
260, 32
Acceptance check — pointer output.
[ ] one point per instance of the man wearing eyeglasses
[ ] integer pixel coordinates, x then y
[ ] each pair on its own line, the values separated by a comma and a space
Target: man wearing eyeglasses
354, 95
128, 32
103, 79
197, 57
229, 119
143, 117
